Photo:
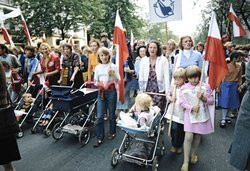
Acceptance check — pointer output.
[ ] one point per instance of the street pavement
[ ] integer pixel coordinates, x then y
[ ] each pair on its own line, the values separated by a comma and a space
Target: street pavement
40, 153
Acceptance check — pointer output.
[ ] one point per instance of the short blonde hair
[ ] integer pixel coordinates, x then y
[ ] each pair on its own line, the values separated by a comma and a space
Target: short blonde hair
193, 71
25, 95
180, 73
86, 50
172, 41
144, 101
45, 45
105, 51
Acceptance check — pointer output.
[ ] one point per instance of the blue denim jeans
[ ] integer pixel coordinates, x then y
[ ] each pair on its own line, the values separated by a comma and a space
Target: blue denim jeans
110, 102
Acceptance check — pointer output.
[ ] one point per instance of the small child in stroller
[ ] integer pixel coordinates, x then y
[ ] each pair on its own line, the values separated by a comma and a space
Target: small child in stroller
48, 114
141, 114
27, 102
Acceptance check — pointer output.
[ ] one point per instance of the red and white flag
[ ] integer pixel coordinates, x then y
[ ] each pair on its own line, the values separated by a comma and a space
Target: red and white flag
15, 13
238, 29
26, 30
215, 55
122, 54
44, 38
6, 36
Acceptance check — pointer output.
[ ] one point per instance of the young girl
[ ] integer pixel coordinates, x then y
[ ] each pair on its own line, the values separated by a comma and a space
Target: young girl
229, 96
195, 101
106, 75
141, 114
176, 112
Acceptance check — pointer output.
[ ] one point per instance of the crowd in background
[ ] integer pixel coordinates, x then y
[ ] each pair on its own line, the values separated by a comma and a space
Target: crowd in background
150, 67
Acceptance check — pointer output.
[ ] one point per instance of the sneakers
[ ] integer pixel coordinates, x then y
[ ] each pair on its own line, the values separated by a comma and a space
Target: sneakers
223, 123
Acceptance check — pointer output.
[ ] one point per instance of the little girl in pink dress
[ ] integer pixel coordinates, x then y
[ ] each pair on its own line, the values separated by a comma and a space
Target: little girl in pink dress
197, 122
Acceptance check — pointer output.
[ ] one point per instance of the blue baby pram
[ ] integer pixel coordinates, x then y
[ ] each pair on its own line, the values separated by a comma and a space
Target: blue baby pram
148, 138
79, 108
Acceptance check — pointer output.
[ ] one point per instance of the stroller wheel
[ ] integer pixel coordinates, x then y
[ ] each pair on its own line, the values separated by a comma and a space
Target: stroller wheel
33, 130
114, 157
20, 134
57, 131
47, 132
155, 164
84, 136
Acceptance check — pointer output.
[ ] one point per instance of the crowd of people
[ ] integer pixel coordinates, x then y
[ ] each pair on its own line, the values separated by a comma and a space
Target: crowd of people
171, 75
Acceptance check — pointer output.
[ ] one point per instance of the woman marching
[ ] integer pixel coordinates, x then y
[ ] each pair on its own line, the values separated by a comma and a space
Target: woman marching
71, 63
106, 76
50, 65
229, 95
154, 74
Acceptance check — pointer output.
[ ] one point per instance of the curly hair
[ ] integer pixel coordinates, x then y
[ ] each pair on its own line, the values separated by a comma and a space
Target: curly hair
159, 53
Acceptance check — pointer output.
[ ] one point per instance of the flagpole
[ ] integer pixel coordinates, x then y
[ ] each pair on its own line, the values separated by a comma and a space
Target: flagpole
166, 27
172, 112
201, 78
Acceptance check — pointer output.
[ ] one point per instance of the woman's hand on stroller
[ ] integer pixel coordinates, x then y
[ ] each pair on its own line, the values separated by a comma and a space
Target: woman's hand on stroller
72, 78
59, 81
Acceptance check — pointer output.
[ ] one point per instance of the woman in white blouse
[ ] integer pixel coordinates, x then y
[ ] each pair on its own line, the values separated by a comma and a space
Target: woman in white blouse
154, 74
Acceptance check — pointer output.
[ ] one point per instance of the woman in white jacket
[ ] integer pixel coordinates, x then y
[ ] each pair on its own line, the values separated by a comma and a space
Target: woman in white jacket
154, 74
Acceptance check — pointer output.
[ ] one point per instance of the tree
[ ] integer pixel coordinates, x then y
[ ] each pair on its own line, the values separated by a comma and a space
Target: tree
221, 8
99, 15
127, 13
45, 16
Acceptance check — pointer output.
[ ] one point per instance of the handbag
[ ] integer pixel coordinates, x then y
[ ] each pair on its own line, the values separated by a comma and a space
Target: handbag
8, 123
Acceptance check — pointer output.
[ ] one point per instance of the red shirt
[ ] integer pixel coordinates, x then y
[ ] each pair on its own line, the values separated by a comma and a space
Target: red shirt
52, 65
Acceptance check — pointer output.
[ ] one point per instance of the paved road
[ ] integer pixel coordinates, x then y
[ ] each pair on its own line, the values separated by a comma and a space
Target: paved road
40, 153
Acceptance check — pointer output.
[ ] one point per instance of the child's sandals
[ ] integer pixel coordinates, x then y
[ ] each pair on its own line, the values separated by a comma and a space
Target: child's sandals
184, 167
194, 159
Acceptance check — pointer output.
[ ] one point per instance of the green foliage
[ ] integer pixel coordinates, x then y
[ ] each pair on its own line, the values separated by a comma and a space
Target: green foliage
106, 20
221, 8
44, 16
159, 32
47, 16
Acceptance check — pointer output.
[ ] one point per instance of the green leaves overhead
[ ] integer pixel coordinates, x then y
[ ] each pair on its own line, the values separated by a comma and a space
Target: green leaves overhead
63, 15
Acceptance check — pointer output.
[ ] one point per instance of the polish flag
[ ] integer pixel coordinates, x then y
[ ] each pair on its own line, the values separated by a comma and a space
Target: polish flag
238, 29
26, 30
215, 55
122, 54
44, 38
6, 36
15, 13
